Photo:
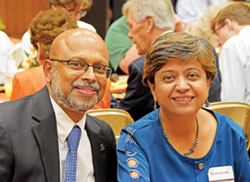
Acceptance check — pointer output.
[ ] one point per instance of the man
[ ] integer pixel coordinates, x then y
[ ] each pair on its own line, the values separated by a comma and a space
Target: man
37, 131
147, 20
203, 26
232, 26
31, 80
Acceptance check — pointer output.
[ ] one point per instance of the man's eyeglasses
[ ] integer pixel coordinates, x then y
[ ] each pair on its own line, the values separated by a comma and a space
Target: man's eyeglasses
71, 8
218, 28
100, 70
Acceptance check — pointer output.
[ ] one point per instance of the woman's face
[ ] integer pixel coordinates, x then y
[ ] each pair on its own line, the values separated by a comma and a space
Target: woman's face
180, 87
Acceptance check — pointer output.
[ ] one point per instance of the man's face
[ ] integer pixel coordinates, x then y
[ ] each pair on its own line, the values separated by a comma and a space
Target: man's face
223, 33
74, 9
138, 33
73, 88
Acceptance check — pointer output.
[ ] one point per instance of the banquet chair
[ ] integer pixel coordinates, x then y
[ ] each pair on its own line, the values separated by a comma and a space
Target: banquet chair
237, 111
116, 118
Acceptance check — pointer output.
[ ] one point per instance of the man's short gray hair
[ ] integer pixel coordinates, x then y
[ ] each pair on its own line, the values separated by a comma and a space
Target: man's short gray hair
161, 10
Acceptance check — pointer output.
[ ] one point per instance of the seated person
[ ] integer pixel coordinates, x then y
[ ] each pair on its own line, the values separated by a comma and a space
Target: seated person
76, 8
121, 49
31, 80
8, 65
191, 11
202, 28
181, 141
232, 26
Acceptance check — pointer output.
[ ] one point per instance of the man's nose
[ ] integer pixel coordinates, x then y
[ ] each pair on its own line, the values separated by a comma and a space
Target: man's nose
89, 74
130, 35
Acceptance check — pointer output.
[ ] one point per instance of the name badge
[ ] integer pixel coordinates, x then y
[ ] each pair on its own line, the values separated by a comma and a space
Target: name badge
220, 174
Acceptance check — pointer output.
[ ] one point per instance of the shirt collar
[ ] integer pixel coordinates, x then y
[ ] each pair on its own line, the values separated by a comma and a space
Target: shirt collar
168, 31
64, 122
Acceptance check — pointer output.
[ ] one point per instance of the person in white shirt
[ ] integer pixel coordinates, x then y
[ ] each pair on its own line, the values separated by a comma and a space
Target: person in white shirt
232, 26
190, 11
8, 65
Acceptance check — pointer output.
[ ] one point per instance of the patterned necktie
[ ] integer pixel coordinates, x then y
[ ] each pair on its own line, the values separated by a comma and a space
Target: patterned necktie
71, 159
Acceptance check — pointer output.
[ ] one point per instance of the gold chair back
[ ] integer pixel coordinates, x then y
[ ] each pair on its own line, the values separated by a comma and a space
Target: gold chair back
237, 111
116, 118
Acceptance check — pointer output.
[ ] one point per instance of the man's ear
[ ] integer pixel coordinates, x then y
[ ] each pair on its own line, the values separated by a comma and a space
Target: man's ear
152, 88
150, 23
47, 68
229, 23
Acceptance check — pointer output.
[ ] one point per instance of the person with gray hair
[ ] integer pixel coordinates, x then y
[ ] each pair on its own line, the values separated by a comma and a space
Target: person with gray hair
147, 20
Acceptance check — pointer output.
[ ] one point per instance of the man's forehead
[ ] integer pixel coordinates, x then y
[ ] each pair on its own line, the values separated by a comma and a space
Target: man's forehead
76, 41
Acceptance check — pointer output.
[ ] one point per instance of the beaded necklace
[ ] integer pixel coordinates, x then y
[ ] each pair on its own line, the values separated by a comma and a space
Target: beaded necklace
191, 150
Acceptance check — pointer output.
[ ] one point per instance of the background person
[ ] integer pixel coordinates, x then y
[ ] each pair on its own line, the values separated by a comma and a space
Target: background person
76, 8
37, 131
180, 141
45, 27
232, 26
7, 62
203, 26
147, 20
121, 49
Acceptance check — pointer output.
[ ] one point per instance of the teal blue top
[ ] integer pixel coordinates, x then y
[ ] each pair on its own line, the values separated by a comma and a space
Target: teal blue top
144, 152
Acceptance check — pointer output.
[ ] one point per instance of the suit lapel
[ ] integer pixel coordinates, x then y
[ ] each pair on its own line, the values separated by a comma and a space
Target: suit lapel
44, 128
98, 144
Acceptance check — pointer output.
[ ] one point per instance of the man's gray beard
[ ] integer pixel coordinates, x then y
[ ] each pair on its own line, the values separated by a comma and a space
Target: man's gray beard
68, 101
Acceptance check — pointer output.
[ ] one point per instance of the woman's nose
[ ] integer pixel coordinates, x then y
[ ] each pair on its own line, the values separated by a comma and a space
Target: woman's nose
182, 85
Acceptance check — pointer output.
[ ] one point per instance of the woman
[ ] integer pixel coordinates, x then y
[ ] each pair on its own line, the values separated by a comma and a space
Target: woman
181, 141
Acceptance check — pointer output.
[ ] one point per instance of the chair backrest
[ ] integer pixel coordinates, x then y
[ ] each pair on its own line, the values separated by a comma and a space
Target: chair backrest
116, 118
237, 111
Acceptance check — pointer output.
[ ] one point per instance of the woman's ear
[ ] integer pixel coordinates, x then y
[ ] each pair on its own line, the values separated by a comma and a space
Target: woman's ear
152, 88
47, 68
209, 81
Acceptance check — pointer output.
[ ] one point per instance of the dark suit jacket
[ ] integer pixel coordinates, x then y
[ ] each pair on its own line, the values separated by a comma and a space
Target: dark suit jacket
29, 142
138, 100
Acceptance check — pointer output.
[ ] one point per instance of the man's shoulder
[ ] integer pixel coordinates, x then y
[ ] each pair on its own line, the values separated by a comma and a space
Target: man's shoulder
97, 123
239, 39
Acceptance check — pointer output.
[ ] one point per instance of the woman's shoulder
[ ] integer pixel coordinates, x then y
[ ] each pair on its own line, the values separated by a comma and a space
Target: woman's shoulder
143, 124
226, 124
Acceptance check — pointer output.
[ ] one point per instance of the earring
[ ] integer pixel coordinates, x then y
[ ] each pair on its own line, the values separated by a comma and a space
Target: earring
155, 105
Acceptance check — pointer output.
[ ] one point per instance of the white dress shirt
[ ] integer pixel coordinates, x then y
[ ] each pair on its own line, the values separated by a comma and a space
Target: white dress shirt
85, 169
234, 64
8, 65
194, 9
